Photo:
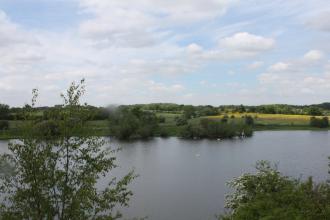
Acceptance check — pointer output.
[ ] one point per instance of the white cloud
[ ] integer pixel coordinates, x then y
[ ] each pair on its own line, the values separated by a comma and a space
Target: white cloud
238, 46
313, 55
194, 48
302, 77
244, 42
280, 66
160, 87
143, 23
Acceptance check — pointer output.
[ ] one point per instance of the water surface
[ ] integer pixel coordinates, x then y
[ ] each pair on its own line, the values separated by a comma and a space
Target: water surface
186, 179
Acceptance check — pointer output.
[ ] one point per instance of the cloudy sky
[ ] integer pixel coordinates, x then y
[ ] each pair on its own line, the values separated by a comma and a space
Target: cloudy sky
183, 51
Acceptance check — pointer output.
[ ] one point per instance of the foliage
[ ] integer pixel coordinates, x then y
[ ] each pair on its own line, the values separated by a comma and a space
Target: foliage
126, 123
189, 112
50, 173
161, 119
180, 121
249, 120
4, 112
99, 113
314, 111
215, 129
163, 133
269, 195
241, 109
4, 125
224, 119
319, 122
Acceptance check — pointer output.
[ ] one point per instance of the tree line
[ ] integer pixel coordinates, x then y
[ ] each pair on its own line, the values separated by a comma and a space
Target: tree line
189, 111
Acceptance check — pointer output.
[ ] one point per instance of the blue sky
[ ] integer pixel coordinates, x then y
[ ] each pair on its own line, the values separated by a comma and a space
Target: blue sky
184, 51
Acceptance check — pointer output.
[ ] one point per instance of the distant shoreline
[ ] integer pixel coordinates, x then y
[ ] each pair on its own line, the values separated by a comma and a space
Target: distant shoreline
95, 131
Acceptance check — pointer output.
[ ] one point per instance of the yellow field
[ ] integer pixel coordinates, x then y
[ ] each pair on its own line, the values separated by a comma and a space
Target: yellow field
280, 119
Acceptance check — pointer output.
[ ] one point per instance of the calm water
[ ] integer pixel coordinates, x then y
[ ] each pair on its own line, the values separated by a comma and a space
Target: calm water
182, 179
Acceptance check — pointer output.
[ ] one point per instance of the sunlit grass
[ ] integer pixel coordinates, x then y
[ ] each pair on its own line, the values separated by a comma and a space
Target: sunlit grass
274, 119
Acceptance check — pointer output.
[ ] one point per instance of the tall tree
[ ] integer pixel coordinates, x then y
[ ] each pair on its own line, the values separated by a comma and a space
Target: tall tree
53, 175
4, 111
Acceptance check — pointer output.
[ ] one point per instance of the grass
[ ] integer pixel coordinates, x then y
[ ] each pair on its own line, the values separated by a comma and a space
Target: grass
169, 125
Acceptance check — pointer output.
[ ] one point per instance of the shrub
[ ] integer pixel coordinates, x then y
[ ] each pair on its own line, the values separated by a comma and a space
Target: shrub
249, 120
128, 123
314, 111
268, 194
180, 121
4, 125
319, 122
47, 128
224, 119
163, 133
215, 129
161, 119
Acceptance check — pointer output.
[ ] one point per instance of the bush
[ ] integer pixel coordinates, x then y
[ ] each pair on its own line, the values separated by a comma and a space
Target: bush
215, 129
126, 123
180, 121
319, 122
161, 119
314, 111
249, 120
163, 133
4, 111
270, 195
224, 119
47, 128
4, 125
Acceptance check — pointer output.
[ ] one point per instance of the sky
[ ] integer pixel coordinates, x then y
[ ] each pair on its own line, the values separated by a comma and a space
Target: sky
180, 51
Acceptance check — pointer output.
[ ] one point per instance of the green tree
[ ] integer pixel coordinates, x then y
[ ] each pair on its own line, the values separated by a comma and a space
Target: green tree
269, 195
51, 172
241, 109
315, 111
180, 121
127, 123
4, 125
189, 112
319, 122
249, 120
4, 111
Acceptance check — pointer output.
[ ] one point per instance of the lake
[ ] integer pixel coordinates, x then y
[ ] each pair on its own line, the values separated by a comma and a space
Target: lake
186, 179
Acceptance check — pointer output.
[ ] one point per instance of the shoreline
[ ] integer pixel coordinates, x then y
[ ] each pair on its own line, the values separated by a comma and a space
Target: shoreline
8, 136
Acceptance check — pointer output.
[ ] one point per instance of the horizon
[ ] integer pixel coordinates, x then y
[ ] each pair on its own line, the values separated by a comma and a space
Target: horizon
162, 103
213, 52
